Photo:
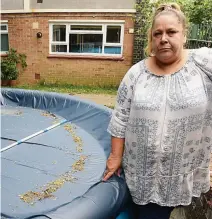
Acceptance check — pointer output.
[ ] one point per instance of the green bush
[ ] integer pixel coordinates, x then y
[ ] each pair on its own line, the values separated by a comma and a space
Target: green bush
9, 68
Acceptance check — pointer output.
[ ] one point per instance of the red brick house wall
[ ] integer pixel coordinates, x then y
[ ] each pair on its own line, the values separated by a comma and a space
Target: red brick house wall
74, 70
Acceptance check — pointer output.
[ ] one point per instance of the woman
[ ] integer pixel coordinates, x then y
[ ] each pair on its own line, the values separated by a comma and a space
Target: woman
161, 127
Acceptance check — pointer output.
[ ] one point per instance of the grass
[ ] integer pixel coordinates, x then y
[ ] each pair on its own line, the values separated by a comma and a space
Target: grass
70, 89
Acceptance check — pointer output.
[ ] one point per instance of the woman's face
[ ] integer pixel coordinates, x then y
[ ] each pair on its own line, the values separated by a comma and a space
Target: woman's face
168, 37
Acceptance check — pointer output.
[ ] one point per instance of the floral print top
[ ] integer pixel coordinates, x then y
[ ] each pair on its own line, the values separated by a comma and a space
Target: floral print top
167, 125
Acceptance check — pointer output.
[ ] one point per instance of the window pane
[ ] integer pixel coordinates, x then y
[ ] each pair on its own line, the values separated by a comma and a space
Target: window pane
85, 43
85, 27
113, 34
112, 50
3, 27
59, 33
59, 48
4, 42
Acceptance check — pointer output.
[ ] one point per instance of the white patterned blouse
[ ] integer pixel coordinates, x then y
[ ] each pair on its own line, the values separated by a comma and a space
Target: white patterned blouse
167, 125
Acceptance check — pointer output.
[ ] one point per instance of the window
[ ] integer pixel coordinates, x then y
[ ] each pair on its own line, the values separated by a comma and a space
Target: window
86, 39
4, 38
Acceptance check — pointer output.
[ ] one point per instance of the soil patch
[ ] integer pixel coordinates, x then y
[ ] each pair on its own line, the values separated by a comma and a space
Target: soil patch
103, 99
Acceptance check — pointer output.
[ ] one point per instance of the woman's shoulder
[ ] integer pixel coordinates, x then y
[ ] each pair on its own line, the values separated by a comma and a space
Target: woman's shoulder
137, 67
135, 71
203, 59
201, 53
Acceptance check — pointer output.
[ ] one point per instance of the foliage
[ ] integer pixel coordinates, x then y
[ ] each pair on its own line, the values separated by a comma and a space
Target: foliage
200, 11
9, 65
9, 70
196, 11
144, 10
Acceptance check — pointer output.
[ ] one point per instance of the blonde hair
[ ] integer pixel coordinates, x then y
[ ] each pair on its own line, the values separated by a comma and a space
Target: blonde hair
170, 8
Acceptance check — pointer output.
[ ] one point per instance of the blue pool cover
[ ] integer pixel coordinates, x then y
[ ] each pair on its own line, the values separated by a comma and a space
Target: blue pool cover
56, 174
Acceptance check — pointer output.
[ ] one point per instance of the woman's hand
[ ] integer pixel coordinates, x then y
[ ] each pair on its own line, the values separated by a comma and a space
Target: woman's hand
113, 166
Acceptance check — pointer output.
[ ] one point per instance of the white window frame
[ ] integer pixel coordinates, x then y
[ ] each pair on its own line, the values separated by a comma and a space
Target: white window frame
4, 23
103, 23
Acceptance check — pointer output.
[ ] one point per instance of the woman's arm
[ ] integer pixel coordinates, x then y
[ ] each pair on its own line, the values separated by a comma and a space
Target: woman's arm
115, 158
117, 146
119, 120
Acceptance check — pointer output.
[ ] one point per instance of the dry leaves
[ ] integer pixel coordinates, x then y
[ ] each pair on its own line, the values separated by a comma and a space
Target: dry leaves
77, 139
31, 197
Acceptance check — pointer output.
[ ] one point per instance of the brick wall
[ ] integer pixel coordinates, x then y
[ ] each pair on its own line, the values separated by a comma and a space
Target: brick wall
81, 71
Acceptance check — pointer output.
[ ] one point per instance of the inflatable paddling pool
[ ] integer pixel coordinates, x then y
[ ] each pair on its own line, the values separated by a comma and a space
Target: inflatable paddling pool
54, 149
